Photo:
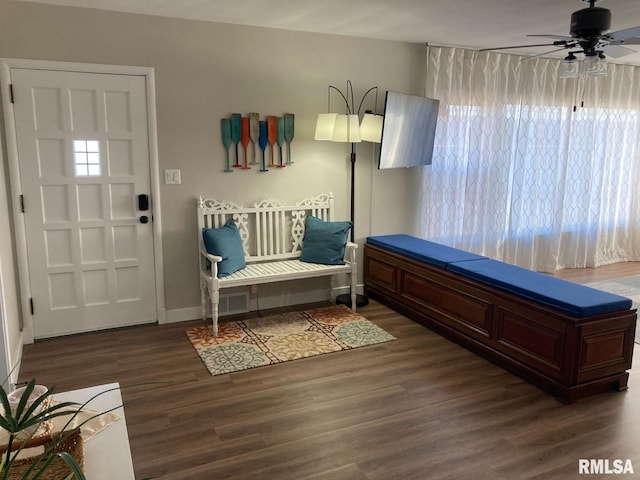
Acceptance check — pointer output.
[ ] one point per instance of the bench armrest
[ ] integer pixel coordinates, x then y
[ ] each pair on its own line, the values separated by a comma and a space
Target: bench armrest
350, 252
210, 257
209, 263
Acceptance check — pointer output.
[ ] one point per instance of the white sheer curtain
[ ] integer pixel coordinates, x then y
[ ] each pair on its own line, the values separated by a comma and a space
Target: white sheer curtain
530, 168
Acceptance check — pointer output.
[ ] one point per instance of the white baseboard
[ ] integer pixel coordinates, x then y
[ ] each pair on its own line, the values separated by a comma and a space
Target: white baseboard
344, 290
162, 315
183, 314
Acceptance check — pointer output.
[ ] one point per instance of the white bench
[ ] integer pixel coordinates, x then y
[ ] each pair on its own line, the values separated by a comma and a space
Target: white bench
272, 235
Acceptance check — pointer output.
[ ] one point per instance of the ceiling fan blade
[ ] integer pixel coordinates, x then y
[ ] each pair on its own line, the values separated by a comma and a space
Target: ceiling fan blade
617, 51
542, 54
628, 41
622, 35
517, 46
559, 37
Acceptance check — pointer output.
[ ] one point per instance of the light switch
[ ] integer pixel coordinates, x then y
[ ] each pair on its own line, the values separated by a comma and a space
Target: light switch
172, 177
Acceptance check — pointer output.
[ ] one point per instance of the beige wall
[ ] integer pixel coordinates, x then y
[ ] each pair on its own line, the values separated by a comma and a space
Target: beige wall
205, 71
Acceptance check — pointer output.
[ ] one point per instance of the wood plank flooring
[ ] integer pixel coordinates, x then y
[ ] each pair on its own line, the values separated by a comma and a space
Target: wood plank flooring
417, 408
607, 272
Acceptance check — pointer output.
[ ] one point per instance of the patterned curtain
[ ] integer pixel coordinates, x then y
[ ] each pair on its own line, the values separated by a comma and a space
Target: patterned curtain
531, 168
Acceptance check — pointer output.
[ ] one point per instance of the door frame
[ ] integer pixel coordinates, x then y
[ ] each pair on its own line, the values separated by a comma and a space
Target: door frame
15, 185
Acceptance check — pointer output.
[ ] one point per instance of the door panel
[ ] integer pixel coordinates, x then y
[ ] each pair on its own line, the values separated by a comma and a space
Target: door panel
84, 157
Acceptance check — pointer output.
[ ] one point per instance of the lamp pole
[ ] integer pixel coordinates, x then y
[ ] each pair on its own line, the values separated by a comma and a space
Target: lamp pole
348, 130
353, 188
345, 298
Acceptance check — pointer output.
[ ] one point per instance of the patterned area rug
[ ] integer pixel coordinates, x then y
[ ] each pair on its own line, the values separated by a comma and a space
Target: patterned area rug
279, 338
627, 287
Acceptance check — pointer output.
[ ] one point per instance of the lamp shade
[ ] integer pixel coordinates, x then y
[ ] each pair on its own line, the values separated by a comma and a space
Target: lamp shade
346, 129
371, 128
324, 126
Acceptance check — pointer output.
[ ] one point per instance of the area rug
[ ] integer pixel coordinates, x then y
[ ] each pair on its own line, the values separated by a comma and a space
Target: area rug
256, 342
627, 287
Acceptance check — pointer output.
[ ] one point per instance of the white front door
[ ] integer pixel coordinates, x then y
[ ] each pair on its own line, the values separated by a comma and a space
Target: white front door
83, 151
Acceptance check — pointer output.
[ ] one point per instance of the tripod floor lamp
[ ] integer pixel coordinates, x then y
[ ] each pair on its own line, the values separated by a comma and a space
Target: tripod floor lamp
347, 128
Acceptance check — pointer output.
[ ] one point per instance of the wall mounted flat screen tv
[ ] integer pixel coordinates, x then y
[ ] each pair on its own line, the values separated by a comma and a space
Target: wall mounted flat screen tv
408, 130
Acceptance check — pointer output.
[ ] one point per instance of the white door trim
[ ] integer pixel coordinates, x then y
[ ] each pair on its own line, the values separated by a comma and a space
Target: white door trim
16, 187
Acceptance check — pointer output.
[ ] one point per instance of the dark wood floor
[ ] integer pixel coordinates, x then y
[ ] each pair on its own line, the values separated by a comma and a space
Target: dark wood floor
416, 408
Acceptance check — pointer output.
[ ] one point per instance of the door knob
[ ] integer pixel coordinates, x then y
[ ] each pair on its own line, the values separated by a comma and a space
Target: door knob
144, 219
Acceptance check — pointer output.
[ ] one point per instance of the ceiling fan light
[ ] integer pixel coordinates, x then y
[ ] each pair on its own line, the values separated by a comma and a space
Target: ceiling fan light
602, 65
570, 68
594, 66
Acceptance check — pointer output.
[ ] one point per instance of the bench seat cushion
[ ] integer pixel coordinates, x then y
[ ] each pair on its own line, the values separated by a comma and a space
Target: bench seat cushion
422, 250
571, 298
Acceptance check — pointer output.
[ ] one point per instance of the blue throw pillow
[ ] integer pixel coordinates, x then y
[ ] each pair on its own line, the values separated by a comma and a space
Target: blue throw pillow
324, 242
226, 243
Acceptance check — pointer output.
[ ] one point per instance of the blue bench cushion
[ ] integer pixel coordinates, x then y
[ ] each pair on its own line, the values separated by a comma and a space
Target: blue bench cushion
572, 298
422, 250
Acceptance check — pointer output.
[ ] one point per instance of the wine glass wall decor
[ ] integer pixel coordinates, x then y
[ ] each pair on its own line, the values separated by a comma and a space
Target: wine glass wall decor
225, 125
236, 133
288, 134
244, 139
262, 135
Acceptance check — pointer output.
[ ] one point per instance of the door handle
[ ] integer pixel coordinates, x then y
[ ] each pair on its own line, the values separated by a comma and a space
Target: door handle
144, 219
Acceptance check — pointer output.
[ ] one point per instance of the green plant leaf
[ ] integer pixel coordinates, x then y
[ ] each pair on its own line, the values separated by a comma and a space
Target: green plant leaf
73, 465
57, 410
24, 419
28, 390
101, 413
37, 402
48, 456
5, 401
3, 423
11, 425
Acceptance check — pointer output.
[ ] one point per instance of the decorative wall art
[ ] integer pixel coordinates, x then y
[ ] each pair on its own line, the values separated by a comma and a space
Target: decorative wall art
261, 134
272, 131
236, 131
254, 132
288, 134
244, 139
225, 125
263, 141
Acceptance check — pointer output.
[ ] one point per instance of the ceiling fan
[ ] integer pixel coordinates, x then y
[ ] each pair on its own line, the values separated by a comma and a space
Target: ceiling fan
588, 35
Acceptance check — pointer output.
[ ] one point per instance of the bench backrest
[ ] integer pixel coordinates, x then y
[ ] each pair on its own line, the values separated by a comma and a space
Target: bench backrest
270, 230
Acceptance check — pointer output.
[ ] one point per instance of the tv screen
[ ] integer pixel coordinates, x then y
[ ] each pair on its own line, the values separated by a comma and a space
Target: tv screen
408, 131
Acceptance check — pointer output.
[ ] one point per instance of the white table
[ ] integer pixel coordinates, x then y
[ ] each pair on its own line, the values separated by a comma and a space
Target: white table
107, 455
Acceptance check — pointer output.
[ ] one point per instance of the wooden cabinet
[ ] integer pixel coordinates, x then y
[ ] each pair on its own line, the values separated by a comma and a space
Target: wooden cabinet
570, 357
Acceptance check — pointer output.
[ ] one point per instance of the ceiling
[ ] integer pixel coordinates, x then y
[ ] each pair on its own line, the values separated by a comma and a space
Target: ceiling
465, 23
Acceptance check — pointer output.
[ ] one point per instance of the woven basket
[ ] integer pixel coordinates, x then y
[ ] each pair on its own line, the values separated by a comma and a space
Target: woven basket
58, 470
